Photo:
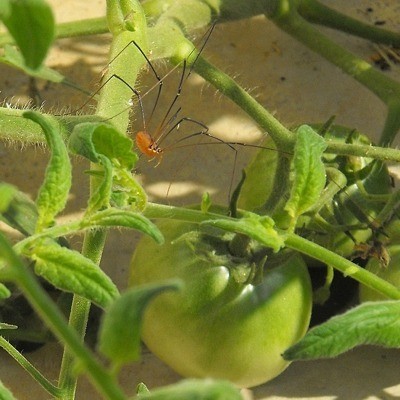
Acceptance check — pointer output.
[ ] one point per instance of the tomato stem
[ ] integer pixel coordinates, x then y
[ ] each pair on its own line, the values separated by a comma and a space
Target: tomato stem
316, 12
127, 23
286, 17
345, 266
49, 312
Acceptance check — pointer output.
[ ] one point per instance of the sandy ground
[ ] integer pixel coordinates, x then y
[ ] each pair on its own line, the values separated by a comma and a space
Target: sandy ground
297, 85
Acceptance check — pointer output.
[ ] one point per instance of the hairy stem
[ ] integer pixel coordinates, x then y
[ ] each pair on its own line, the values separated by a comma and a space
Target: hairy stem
286, 17
28, 367
343, 265
316, 12
127, 24
18, 273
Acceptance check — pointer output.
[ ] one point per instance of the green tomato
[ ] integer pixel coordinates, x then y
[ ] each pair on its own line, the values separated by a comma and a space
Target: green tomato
220, 325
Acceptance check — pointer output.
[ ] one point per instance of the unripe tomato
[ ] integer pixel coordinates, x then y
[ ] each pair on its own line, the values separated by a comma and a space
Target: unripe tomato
220, 325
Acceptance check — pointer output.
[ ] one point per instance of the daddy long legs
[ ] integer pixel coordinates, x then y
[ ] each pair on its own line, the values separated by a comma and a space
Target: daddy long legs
156, 143
174, 132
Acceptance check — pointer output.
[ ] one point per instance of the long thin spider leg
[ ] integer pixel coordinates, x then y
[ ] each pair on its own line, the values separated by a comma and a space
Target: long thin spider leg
162, 125
149, 63
162, 130
136, 92
207, 37
159, 83
204, 132
166, 130
188, 119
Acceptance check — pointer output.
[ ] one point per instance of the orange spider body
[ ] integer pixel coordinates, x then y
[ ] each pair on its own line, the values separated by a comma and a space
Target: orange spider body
147, 145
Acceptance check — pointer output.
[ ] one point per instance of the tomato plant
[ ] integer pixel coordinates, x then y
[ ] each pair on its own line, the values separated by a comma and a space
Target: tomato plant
357, 190
227, 322
246, 294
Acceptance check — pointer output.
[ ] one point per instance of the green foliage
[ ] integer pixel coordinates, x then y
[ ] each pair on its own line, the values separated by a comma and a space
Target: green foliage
102, 143
260, 228
17, 209
15, 59
113, 217
332, 187
92, 139
69, 270
120, 330
53, 193
308, 173
370, 323
31, 23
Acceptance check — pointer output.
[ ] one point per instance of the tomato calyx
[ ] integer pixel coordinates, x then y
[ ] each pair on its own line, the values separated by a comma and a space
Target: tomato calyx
243, 257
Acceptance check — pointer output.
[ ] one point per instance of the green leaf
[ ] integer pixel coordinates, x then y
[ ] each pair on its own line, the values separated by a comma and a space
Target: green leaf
130, 194
260, 228
5, 394
90, 139
31, 24
101, 196
375, 323
17, 209
308, 175
81, 142
120, 329
14, 58
70, 271
94, 139
194, 389
53, 193
260, 172
114, 217
115, 145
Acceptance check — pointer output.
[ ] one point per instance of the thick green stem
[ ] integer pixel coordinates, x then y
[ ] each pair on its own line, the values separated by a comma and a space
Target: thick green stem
316, 12
92, 26
292, 241
348, 268
51, 315
392, 124
15, 128
83, 27
381, 85
127, 24
283, 138
154, 210
379, 153
285, 16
